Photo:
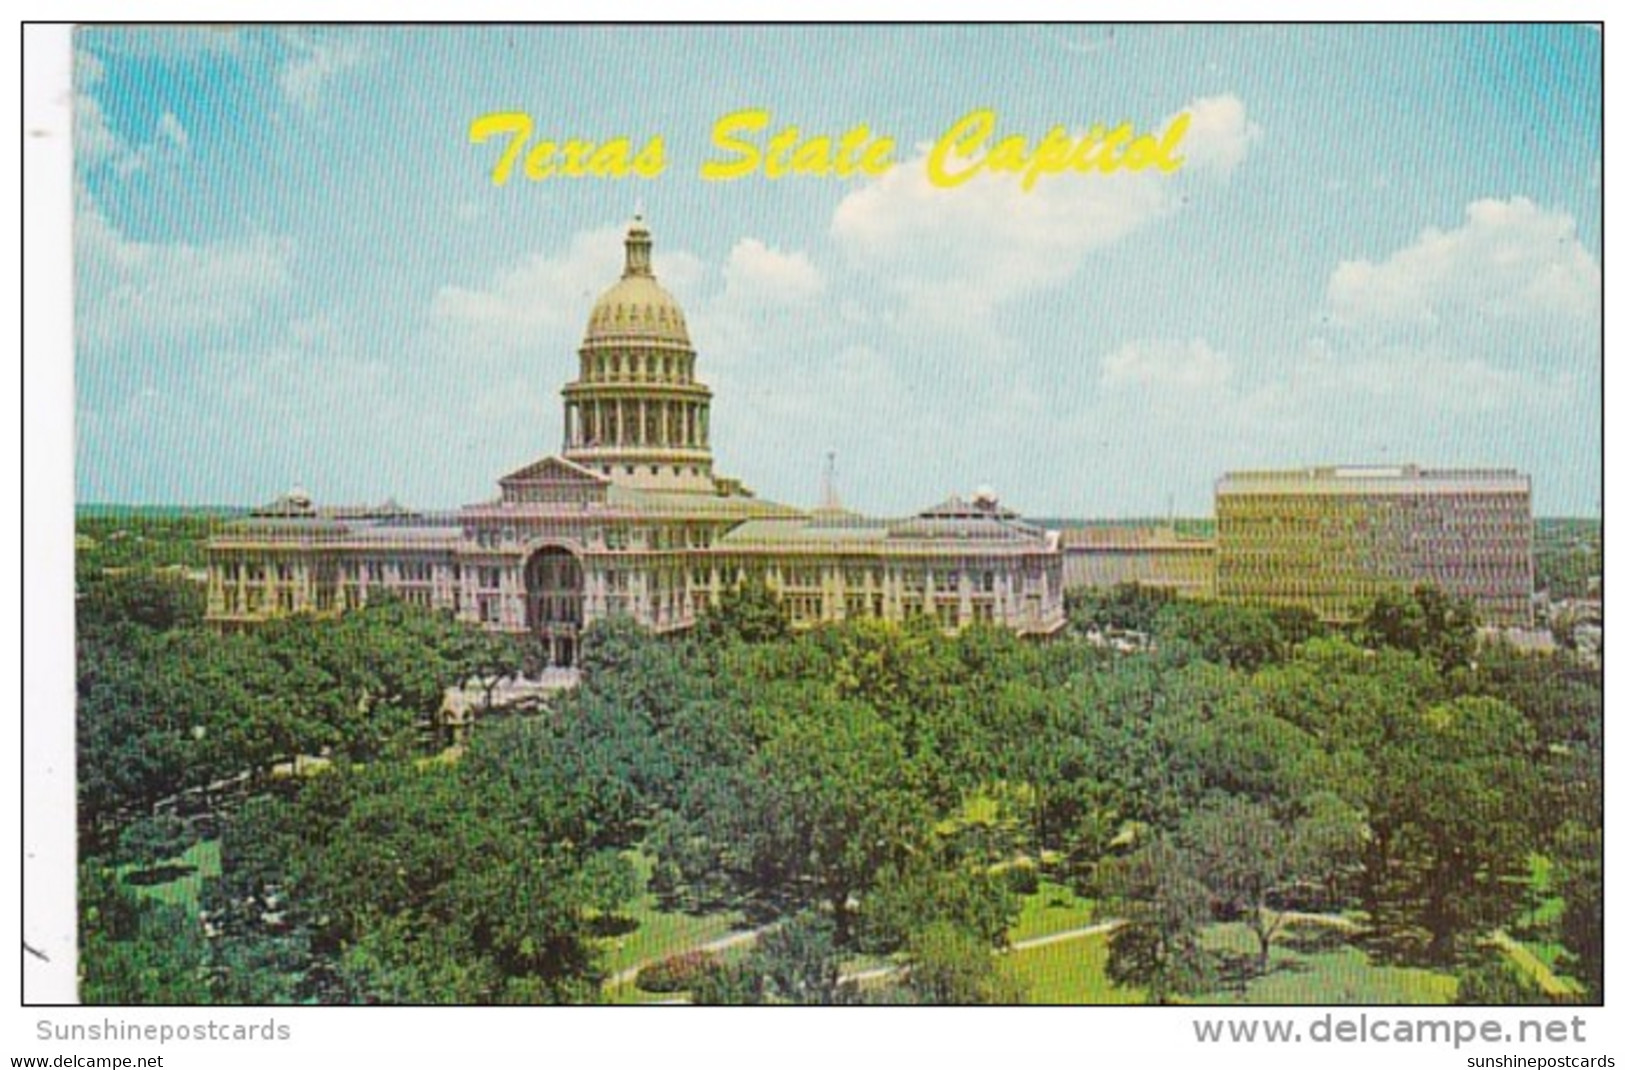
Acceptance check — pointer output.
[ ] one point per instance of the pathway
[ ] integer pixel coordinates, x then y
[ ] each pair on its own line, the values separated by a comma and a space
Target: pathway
865, 976
721, 943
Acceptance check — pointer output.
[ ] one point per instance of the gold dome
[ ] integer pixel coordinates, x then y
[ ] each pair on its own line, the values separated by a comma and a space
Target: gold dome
637, 308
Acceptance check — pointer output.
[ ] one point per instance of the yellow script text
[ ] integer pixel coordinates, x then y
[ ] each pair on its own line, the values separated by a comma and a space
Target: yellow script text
968, 149
568, 158
787, 152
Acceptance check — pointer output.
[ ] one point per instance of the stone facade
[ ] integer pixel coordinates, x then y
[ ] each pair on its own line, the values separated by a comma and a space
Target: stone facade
1107, 555
631, 519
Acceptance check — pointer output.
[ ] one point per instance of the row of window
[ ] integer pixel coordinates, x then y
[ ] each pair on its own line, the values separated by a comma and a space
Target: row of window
601, 367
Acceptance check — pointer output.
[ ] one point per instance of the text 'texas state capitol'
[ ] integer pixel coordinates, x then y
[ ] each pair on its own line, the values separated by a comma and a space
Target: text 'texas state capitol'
630, 518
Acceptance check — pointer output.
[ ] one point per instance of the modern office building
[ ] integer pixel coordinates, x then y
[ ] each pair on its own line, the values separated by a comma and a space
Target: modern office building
1331, 539
630, 518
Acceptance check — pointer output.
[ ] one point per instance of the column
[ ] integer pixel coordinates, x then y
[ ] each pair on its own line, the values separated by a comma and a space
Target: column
665, 423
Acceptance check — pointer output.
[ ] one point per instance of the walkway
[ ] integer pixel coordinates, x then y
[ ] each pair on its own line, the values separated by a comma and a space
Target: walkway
866, 976
721, 943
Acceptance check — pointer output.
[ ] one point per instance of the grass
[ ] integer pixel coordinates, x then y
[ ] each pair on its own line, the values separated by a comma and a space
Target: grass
196, 864
1052, 909
1547, 909
655, 934
1072, 972
1339, 973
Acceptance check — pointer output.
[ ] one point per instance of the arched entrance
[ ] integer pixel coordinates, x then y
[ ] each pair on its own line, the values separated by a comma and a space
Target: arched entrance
554, 589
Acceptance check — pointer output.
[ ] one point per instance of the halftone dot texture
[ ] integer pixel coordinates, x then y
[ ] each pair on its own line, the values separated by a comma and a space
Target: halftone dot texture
294, 268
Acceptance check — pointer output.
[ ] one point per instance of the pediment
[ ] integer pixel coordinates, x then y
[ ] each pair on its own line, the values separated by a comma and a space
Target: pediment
554, 470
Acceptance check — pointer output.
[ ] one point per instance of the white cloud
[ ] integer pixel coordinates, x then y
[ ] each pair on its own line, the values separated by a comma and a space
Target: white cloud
757, 274
95, 143
1511, 260
1219, 136
1163, 365
313, 64
542, 298
955, 253
130, 290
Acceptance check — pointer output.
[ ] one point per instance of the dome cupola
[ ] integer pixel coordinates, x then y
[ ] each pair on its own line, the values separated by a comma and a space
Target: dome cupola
636, 413
637, 307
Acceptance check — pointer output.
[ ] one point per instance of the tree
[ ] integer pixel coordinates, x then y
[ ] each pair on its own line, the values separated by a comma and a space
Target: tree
928, 889
1426, 621
1496, 982
1163, 906
948, 965
1460, 794
433, 884
823, 807
1241, 637
136, 951
156, 602
487, 658
729, 984
799, 962
1297, 624
1127, 606
1579, 882
748, 612
1249, 859
148, 841
794, 963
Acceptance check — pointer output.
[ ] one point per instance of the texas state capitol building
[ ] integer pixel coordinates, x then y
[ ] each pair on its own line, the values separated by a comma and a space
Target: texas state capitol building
632, 519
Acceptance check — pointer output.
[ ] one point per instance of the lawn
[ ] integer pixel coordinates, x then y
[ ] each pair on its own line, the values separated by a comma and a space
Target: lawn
1071, 972
652, 934
1318, 973
1074, 972
1052, 909
197, 863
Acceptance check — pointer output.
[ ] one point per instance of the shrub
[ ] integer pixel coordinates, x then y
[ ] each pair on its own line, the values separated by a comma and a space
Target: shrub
1022, 879
679, 973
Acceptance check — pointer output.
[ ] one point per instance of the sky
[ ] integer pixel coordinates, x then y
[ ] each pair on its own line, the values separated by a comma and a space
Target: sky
1383, 245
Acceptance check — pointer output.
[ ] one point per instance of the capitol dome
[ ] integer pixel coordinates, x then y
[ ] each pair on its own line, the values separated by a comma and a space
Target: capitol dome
636, 413
637, 307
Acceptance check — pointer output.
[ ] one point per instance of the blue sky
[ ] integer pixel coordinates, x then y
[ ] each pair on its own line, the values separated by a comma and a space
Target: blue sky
292, 266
